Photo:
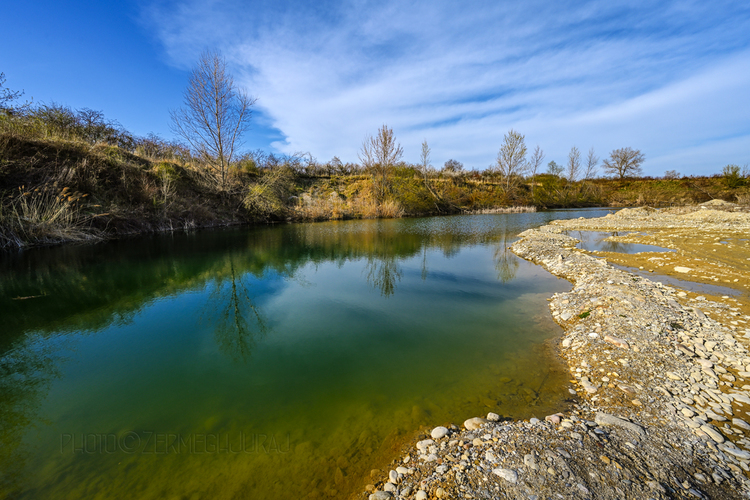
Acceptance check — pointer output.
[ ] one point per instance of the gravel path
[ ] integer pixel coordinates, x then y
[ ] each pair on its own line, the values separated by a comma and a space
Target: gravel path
662, 403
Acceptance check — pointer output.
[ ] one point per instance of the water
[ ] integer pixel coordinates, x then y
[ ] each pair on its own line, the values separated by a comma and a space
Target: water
597, 241
690, 286
275, 362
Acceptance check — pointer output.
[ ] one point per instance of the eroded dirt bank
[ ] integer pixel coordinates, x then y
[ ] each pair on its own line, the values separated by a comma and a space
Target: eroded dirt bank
660, 379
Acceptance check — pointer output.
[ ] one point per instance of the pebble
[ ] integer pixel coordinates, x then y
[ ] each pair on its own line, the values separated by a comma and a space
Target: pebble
712, 432
606, 419
382, 495
475, 423
508, 474
439, 432
424, 444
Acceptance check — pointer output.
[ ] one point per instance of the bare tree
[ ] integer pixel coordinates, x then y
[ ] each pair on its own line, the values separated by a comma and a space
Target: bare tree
424, 158
534, 163
511, 159
215, 115
592, 162
624, 162
554, 169
574, 164
7, 96
426, 169
379, 154
453, 166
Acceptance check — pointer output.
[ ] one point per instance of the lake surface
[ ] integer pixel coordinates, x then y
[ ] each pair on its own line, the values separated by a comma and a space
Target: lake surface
270, 362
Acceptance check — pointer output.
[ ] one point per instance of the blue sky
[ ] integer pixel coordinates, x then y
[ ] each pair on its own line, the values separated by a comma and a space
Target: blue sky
669, 78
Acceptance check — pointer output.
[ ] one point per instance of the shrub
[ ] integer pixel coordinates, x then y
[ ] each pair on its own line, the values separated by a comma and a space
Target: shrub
732, 176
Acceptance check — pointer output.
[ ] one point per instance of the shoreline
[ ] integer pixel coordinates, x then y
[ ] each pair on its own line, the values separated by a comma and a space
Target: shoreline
662, 390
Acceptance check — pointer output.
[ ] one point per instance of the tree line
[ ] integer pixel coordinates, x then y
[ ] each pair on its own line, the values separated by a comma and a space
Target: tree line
215, 117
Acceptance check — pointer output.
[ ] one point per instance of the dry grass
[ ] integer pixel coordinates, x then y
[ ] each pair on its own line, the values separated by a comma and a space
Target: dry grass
503, 210
44, 216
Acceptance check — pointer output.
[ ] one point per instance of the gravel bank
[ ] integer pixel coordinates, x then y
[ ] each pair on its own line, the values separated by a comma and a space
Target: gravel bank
662, 405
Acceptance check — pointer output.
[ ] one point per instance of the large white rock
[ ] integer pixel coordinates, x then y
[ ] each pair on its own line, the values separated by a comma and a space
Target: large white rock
508, 474
475, 423
424, 444
439, 432
381, 495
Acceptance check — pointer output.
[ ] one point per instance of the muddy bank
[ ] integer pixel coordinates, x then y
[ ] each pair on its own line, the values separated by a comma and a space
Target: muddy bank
659, 377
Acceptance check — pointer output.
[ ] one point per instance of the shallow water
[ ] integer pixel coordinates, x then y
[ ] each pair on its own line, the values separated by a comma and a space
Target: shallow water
690, 286
597, 241
275, 362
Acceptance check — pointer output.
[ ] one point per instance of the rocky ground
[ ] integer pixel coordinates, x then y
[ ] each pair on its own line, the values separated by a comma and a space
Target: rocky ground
661, 379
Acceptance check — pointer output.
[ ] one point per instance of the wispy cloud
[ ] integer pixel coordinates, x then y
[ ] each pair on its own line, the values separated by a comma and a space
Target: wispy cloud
668, 79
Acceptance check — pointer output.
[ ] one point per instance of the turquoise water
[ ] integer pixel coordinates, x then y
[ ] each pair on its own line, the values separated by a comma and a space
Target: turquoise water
272, 362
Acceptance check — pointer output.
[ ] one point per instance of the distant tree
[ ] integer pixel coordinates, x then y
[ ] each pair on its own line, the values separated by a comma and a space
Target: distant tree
574, 164
511, 159
554, 169
215, 115
379, 154
624, 162
453, 166
733, 177
592, 162
671, 174
534, 163
424, 157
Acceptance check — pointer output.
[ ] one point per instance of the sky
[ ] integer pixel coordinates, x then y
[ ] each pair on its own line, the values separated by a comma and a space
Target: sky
670, 78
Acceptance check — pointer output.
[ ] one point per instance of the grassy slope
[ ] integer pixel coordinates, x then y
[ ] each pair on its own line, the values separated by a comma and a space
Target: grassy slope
61, 190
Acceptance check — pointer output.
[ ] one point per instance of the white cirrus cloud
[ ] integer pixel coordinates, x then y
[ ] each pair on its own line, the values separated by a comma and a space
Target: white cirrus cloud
669, 79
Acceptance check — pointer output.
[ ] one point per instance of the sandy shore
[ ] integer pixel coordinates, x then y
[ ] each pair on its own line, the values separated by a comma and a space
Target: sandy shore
659, 375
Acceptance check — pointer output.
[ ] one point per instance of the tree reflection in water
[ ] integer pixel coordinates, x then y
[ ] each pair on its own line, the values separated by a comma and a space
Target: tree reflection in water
239, 324
382, 273
506, 262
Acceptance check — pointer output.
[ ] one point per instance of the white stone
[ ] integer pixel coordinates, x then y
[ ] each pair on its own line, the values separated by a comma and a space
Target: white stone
475, 423
421, 495
508, 474
713, 433
681, 269
382, 495
493, 417
424, 444
439, 432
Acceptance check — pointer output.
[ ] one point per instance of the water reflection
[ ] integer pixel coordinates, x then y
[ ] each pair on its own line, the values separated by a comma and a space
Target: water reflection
238, 324
506, 262
597, 241
137, 334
